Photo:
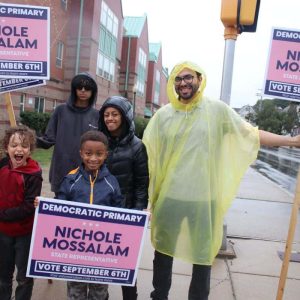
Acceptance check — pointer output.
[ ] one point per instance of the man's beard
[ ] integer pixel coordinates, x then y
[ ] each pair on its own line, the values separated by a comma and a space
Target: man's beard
187, 97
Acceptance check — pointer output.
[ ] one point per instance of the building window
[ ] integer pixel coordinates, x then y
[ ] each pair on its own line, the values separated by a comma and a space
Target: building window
22, 103
157, 87
39, 104
107, 51
59, 54
141, 74
54, 103
64, 4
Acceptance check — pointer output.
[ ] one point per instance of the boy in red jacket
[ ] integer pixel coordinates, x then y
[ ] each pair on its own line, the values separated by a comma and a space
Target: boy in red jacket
21, 182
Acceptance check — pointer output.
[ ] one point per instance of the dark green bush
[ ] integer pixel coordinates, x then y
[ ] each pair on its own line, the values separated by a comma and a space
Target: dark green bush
140, 125
35, 120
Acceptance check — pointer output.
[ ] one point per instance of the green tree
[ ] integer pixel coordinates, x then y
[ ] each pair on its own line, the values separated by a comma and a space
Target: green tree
35, 120
290, 118
281, 103
268, 117
140, 125
271, 117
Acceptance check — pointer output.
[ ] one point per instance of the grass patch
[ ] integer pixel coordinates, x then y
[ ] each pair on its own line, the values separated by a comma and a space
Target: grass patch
43, 156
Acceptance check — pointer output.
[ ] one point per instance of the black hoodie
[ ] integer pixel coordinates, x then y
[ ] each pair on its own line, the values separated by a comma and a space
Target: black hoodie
65, 127
127, 159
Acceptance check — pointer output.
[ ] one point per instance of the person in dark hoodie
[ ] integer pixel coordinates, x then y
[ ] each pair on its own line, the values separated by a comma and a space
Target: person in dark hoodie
21, 182
127, 159
66, 125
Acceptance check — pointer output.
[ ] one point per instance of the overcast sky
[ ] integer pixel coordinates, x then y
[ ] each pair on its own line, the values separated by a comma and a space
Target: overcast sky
192, 30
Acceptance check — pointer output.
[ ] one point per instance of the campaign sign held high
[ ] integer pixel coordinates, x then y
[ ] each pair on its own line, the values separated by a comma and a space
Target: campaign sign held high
24, 41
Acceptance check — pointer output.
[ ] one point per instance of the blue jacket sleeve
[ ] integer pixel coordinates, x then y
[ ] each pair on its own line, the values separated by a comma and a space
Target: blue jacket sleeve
63, 193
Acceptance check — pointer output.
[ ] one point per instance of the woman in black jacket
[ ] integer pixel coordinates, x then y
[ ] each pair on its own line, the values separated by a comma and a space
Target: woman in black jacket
127, 159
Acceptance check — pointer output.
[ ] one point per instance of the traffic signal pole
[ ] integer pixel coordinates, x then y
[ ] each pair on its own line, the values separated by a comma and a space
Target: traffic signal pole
230, 35
237, 16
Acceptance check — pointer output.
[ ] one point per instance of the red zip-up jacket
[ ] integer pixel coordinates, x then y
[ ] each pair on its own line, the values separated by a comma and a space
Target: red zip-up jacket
18, 188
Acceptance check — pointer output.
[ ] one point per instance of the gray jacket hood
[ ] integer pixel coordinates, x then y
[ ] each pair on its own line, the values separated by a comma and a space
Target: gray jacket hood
125, 108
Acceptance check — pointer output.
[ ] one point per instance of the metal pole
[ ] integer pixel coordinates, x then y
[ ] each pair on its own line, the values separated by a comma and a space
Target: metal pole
230, 35
134, 97
227, 71
79, 37
260, 99
127, 66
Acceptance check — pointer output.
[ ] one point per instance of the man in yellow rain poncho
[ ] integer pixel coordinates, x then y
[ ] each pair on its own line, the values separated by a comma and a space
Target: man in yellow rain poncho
198, 150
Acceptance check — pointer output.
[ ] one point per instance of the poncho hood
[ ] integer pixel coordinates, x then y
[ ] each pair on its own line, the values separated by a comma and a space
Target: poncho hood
173, 96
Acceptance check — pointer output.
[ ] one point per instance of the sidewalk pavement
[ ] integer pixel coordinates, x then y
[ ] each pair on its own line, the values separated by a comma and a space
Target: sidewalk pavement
257, 227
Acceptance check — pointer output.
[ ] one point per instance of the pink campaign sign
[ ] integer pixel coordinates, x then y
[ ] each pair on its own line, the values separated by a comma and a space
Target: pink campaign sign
28, 37
282, 78
24, 41
86, 243
281, 66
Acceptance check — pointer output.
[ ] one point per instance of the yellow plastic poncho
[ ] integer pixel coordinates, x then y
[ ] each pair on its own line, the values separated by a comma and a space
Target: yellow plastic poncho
198, 153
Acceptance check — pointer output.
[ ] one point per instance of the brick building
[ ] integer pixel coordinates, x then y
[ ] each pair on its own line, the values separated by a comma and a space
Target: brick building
92, 36
157, 77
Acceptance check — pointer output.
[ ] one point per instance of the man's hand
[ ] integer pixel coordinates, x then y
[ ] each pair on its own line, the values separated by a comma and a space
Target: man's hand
296, 141
275, 140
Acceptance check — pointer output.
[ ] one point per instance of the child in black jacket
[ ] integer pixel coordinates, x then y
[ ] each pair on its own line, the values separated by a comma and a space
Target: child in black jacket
127, 159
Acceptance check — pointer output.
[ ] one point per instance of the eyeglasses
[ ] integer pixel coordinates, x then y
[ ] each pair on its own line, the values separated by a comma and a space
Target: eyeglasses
85, 87
186, 78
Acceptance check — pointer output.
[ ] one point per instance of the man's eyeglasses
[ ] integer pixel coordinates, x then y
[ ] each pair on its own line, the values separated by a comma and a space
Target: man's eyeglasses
186, 78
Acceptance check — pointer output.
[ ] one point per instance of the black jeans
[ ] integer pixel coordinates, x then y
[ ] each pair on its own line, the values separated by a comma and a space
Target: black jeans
129, 292
162, 279
14, 251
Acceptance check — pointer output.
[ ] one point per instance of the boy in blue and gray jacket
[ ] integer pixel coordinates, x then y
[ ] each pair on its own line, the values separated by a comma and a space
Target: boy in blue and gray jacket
91, 183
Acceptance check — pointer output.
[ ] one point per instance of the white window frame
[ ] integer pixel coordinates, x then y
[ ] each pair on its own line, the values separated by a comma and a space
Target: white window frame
157, 87
59, 54
110, 26
142, 63
64, 4
40, 100
22, 102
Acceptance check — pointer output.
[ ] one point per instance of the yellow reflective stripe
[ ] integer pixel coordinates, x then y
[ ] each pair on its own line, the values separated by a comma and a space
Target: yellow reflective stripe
92, 182
74, 171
